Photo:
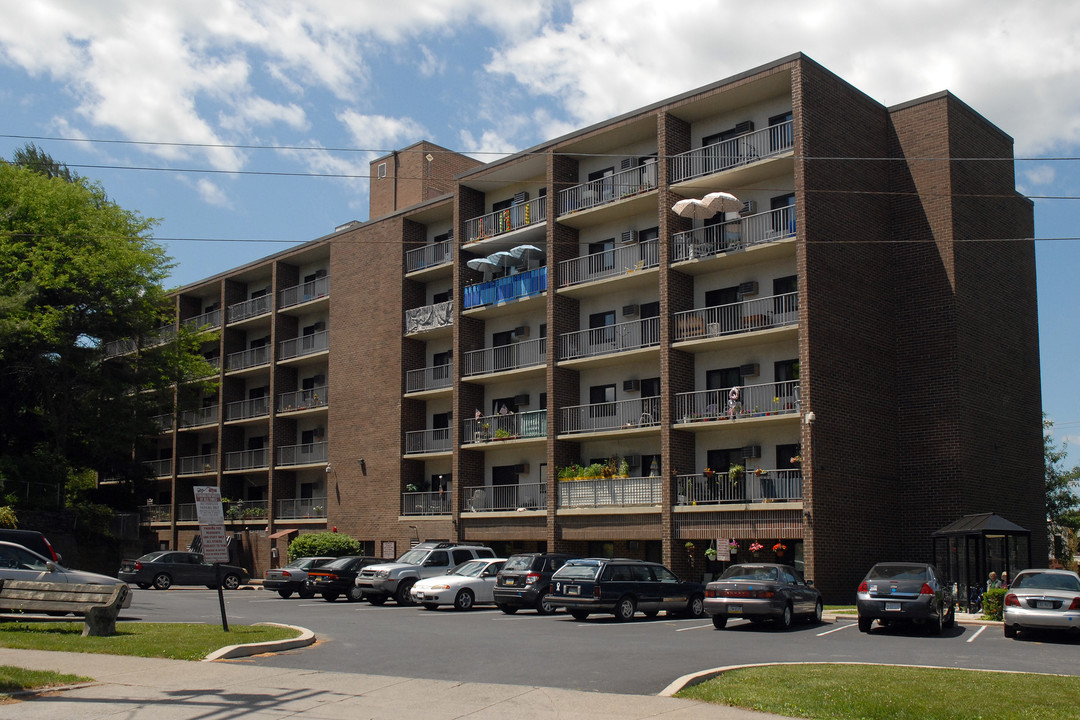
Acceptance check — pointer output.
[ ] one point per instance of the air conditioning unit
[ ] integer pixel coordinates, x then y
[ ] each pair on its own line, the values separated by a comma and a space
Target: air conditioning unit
628, 236
627, 163
521, 197
450, 234
631, 385
748, 288
520, 400
521, 331
748, 208
751, 451
629, 310
744, 127
521, 469
749, 370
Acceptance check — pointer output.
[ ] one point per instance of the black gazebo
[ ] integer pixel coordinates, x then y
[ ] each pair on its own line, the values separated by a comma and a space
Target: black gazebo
970, 548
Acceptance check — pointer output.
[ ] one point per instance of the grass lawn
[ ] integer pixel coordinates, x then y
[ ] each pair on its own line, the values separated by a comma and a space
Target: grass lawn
13, 679
855, 692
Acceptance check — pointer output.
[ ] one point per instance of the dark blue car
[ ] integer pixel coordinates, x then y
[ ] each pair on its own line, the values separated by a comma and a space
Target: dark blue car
623, 587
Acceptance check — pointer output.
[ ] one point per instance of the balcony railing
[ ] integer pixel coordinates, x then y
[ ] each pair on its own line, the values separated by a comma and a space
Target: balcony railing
163, 422
249, 308
303, 454
245, 359
746, 316
621, 185
315, 397
425, 503
239, 510
512, 218
618, 415
528, 353
159, 468
247, 459
117, 348
197, 465
304, 345
297, 508
244, 409
507, 498
711, 240
504, 289
203, 416
429, 378
160, 336
751, 486
428, 256
610, 339
727, 154
425, 441
187, 512
762, 400
429, 317
609, 263
206, 321
155, 514
305, 292
609, 492
512, 426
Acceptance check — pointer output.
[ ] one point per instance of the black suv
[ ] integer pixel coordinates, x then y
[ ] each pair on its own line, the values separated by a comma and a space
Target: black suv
622, 587
524, 581
31, 540
338, 577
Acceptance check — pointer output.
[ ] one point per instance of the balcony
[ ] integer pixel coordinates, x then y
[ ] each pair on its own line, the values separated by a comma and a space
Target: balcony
429, 378
163, 422
305, 292
316, 397
774, 311
425, 503
197, 465
159, 468
623, 185
754, 486
505, 289
247, 460
620, 261
617, 338
254, 307
609, 416
197, 418
736, 152
206, 321
304, 345
247, 409
243, 510
609, 492
149, 514
161, 336
428, 441
515, 217
246, 359
304, 454
512, 426
430, 317
507, 498
515, 356
429, 256
748, 401
747, 232
116, 348
299, 508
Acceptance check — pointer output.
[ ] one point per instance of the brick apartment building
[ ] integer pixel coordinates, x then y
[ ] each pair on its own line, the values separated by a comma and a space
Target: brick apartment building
843, 338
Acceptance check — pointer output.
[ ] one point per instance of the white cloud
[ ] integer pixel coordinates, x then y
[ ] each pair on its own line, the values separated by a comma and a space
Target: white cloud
378, 132
208, 191
1040, 175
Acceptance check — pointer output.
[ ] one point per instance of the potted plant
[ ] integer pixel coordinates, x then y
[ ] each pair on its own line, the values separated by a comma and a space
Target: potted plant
779, 549
755, 548
411, 487
624, 468
710, 553
709, 473
733, 547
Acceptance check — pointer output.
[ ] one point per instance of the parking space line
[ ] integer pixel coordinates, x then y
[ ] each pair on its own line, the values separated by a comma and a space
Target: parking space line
977, 634
845, 626
695, 627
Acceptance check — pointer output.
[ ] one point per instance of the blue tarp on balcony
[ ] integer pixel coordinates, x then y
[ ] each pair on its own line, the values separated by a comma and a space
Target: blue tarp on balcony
513, 287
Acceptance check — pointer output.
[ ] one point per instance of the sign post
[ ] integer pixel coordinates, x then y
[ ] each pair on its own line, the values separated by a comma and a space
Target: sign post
214, 545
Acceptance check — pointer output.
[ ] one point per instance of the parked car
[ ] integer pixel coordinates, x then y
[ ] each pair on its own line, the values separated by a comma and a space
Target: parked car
162, 569
470, 583
20, 563
623, 587
338, 577
293, 577
32, 540
908, 592
525, 581
760, 592
1042, 599
396, 579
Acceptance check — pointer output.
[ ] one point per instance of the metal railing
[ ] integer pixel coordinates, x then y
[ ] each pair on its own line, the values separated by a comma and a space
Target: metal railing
303, 454
511, 287
512, 218
244, 409
163, 422
239, 510
187, 512
304, 345
711, 240
609, 492
159, 468
621, 185
429, 317
527, 353
746, 316
249, 308
197, 465
160, 336
507, 498
429, 378
296, 508
727, 154
155, 514
304, 292
775, 398
427, 256
609, 263
315, 397
618, 415
747, 486
620, 337
250, 358
512, 426
425, 503
206, 321
425, 441
203, 416
247, 459
117, 348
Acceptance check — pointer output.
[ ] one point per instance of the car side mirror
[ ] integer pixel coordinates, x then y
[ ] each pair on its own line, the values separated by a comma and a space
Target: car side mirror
809, 583
50, 566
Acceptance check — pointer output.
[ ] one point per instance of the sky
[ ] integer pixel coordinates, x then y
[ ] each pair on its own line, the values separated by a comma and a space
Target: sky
247, 126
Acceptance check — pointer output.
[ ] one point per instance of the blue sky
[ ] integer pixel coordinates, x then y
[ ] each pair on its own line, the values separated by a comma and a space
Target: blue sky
486, 77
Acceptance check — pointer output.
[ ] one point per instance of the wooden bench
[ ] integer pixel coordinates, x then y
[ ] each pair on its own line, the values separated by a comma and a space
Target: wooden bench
98, 604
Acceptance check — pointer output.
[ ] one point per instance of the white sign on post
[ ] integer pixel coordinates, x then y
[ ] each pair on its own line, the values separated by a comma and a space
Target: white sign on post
211, 524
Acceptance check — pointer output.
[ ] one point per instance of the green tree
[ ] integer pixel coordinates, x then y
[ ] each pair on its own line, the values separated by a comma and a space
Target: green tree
31, 157
1062, 495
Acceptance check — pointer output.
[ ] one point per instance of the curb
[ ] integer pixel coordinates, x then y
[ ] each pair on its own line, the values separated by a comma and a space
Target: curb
230, 652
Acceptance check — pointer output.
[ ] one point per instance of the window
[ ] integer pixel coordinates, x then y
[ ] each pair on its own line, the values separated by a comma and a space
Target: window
602, 399
785, 286
781, 134
600, 183
441, 297
786, 374
601, 256
601, 330
784, 453
502, 205
440, 557
382, 170
783, 218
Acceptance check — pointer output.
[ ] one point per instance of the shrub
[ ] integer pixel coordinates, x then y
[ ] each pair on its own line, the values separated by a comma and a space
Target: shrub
330, 544
8, 518
593, 471
993, 602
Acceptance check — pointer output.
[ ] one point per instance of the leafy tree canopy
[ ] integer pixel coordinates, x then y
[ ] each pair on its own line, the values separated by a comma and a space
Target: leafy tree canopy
1062, 491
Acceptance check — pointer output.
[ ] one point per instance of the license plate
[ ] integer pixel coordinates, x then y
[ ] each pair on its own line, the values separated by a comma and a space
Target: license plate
1044, 605
734, 609
892, 607
573, 590
509, 581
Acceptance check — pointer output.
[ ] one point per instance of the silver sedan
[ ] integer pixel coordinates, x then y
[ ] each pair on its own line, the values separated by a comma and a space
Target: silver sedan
1043, 599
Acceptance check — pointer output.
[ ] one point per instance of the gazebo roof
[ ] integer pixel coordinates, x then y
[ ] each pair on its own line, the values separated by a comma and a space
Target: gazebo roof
980, 524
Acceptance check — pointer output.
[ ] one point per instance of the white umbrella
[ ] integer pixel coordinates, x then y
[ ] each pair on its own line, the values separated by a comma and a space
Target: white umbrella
525, 253
482, 264
691, 208
723, 202
502, 259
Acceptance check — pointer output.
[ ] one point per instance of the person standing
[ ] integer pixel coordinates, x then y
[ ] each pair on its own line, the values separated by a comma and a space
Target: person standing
992, 582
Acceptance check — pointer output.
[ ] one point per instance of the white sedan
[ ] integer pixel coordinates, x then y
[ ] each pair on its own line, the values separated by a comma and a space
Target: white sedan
462, 586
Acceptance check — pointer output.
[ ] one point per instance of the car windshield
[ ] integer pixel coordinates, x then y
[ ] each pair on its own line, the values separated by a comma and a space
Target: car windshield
1046, 581
413, 557
898, 572
472, 568
339, 564
577, 572
750, 572
519, 562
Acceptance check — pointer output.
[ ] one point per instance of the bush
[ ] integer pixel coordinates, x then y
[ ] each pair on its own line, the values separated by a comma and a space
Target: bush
993, 602
8, 518
330, 544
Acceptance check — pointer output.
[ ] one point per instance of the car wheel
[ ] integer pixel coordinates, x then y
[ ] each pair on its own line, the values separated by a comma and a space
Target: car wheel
784, 621
579, 614
950, 619
354, 594
865, 624
510, 609
329, 596
815, 617
544, 606
404, 592
162, 581
464, 600
286, 594
231, 581
376, 599
306, 593
143, 586
625, 609
431, 606
1010, 631
696, 607
719, 621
